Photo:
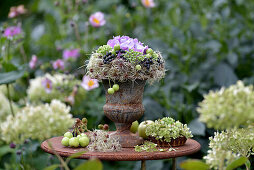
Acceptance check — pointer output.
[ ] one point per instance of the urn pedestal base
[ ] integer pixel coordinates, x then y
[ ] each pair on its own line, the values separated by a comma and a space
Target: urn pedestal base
124, 107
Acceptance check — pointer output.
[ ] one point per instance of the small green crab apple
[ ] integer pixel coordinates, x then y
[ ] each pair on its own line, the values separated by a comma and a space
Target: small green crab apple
65, 141
142, 128
74, 142
117, 47
84, 141
116, 87
134, 127
68, 135
138, 67
111, 91
149, 51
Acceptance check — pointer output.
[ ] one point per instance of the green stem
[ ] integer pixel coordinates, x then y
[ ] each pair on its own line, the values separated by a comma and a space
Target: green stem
109, 83
22, 51
8, 51
9, 98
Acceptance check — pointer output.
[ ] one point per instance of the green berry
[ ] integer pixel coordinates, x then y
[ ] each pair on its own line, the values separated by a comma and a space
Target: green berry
148, 55
74, 142
65, 141
100, 126
113, 52
68, 135
83, 141
84, 120
111, 91
83, 135
149, 51
117, 47
79, 136
138, 67
116, 87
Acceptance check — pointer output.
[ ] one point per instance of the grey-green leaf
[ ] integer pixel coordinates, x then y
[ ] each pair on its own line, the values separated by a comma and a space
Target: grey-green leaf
194, 164
90, 164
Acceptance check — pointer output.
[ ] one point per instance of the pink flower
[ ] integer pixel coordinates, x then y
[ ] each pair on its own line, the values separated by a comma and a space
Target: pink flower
33, 62
74, 53
97, 19
58, 64
16, 11
47, 84
148, 3
11, 31
89, 84
70, 99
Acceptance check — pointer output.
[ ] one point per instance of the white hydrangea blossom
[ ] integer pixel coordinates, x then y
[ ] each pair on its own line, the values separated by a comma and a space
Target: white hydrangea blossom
229, 107
37, 122
62, 87
229, 145
5, 107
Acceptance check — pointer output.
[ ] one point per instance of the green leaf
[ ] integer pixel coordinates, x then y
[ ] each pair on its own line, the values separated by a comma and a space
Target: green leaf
5, 149
90, 164
75, 155
10, 77
194, 164
239, 162
248, 164
8, 66
52, 167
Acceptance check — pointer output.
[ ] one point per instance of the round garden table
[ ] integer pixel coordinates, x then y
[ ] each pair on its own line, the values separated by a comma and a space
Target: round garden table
126, 154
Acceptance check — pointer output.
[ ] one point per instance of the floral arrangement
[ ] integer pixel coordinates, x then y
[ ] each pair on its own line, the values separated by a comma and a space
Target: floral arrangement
166, 129
229, 145
37, 122
151, 147
125, 58
103, 141
58, 86
229, 107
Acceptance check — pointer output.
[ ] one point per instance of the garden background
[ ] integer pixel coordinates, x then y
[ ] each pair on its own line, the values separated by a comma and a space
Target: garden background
206, 45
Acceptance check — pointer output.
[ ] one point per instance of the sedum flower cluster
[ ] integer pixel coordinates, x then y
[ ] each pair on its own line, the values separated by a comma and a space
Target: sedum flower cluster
37, 122
166, 129
103, 141
229, 107
57, 86
125, 58
229, 145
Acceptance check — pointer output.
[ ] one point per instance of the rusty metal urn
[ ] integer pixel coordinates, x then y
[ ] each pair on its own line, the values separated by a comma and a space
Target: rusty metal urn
124, 107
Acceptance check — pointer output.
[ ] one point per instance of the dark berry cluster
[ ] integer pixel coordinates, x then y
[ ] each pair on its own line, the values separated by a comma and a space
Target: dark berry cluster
110, 56
147, 63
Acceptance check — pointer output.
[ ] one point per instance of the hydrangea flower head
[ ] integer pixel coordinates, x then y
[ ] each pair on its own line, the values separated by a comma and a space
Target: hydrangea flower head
74, 53
47, 84
58, 64
148, 3
12, 31
127, 43
33, 62
97, 19
89, 83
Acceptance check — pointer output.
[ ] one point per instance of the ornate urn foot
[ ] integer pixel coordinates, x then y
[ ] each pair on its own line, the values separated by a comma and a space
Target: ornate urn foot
124, 107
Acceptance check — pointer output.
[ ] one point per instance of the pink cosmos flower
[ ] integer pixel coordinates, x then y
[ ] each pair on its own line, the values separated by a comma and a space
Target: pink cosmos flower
148, 3
58, 64
47, 84
74, 53
33, 62
97, 19
89, 84
16, 11
11, 31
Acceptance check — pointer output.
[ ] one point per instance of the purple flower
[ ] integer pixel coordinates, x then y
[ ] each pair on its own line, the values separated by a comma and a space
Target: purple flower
127, 43
47, 84
11, 31
74, 53
89, 84
12, 145
58, 64
148, 3
97, 19
33, 62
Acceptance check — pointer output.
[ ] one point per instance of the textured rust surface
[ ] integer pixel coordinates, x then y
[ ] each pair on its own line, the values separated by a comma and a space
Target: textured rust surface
124, 107
174, 142
126, 154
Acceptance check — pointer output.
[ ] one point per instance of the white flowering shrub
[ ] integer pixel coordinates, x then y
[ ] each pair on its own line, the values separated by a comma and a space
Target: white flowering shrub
5, 107
229, 145
37, 122
229, 107
61, 86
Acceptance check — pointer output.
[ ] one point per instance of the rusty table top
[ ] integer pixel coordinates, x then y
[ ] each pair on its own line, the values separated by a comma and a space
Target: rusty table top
126, 154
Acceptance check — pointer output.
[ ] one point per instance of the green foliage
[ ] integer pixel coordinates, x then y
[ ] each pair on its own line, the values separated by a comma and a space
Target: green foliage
239, 162
91, 164
194, 164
